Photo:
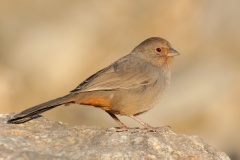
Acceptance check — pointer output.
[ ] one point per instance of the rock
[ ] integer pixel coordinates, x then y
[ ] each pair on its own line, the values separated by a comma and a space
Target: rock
44, 139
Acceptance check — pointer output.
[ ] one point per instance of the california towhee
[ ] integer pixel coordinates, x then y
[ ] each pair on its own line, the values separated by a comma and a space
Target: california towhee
130, 86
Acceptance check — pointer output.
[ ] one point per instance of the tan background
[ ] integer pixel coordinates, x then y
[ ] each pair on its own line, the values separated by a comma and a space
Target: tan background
48, 47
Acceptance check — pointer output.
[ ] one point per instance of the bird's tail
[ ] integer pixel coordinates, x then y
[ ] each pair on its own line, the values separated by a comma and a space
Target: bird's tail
32, 112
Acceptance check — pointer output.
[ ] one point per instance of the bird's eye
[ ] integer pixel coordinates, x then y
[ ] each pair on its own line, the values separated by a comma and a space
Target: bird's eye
158, 50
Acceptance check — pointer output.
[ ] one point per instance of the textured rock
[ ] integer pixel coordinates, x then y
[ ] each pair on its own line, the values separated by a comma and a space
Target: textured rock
44, 139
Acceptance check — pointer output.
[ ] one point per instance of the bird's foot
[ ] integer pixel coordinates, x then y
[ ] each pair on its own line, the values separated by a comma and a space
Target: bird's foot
156, 129
123, 129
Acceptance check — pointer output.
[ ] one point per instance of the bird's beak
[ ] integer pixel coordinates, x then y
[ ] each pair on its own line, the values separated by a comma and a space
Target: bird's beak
172, 53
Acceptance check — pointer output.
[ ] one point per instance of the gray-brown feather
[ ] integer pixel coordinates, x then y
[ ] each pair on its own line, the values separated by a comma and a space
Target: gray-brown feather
135, 74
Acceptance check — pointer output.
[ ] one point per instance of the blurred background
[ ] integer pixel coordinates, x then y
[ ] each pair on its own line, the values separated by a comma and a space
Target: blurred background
48, 47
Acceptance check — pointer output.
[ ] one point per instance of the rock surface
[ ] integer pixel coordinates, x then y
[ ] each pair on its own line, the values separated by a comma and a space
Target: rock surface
44, 139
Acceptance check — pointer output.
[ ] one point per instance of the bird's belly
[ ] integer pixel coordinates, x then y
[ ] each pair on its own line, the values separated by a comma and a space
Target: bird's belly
124, 102
135, 102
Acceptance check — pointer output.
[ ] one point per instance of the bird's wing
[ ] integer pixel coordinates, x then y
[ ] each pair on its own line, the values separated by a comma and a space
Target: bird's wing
126, 73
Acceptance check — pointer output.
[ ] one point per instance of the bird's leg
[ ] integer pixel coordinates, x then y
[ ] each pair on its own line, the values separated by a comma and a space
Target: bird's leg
122, 126
148, 127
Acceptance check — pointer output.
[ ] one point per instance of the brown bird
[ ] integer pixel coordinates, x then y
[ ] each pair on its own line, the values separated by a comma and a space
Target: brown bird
130, 86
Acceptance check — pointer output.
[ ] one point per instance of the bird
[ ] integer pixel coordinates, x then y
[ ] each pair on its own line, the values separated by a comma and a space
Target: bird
128, 87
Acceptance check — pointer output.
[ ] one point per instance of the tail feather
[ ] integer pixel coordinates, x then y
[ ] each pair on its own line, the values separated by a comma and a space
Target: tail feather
32, 112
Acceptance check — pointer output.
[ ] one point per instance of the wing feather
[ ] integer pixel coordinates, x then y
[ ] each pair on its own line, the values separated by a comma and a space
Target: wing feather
127, 73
